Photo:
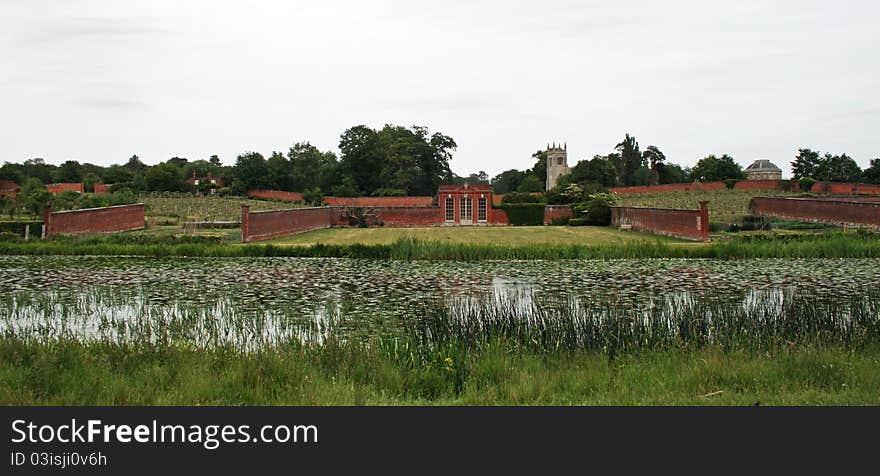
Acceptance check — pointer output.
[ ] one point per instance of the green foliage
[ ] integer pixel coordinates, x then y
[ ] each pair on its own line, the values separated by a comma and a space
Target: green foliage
806, 184
596, 211
520, 197
598, 170
578, 222
838, 168
389, 192
524, 214
804, 164
530, 184
164, 177
715, 169
730, 183
313, 196
872, 173
396, 157
251, 172
507, 181
629, 161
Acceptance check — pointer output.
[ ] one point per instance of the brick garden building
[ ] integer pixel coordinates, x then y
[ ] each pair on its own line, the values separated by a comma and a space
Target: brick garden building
467, 205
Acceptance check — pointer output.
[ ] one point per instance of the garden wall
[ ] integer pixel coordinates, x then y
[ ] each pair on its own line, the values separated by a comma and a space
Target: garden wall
61, 187
688, 224
102, 189
836, 212
395, 216
257, 226
276, 195
94, 220
835, 188
552, 212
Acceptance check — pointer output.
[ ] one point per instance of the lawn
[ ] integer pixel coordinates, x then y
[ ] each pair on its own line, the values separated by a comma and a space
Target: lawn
498, 235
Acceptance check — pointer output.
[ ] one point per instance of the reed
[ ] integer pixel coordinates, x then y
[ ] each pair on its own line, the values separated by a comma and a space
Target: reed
830, 244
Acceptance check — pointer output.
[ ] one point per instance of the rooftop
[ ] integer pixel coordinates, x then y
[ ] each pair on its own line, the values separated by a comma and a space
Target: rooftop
763, 165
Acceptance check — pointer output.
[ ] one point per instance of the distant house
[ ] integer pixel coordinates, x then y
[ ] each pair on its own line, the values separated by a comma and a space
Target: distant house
763, 169
63, 187
217, 182
9, 188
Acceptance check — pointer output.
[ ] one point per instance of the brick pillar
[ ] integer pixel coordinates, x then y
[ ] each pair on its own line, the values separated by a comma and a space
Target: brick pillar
245, 222
704, 220
47, 221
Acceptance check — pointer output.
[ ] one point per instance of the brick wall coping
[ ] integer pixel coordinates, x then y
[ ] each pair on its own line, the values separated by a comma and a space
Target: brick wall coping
658, 208
96, 208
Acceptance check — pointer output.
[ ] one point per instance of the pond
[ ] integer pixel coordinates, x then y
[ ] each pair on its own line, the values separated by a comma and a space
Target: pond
253, 302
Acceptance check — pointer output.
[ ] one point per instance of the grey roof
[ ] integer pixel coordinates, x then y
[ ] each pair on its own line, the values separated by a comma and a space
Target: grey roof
763, 165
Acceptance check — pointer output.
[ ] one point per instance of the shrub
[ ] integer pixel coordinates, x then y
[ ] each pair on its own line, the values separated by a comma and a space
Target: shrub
730, 183
313, 196
577, 222
806, 183
596, 211
524, 214
559, 221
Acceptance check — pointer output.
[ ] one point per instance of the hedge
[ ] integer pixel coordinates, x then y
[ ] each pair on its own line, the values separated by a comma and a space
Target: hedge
524, 214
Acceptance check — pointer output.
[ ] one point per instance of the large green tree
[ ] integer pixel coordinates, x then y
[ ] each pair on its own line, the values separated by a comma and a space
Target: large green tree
69, 172
396, 157
164, 177
250, 172
630, 160
598, 170
507, 181
713, 169
838, 168
872, 173
804, 164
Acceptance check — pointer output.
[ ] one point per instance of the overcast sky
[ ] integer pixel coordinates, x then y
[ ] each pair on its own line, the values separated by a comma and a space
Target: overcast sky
98, 81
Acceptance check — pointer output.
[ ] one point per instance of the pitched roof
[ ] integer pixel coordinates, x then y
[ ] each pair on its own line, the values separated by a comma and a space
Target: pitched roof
763, 165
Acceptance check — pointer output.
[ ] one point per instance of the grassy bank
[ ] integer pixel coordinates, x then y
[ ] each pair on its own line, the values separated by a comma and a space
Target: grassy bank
831, 244
336, 374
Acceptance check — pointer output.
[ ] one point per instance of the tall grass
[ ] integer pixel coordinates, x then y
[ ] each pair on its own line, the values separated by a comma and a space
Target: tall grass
827, 245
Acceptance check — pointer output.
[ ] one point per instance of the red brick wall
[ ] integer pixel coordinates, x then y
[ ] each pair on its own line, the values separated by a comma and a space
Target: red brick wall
8, 188
397, 216
552, 212
102, 189
688, 224
835, 188
60, 187
836, 212
761, 185
257, 226
497, 216
379, 201
276, 195
95, 220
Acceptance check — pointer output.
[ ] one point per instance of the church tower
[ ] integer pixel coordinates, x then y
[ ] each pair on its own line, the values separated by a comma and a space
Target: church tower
557, 163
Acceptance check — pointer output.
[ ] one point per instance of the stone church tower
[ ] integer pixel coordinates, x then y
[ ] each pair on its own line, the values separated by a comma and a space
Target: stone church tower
557, 164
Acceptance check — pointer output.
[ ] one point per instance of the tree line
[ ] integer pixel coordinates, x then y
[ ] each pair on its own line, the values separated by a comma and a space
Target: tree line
396, 160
